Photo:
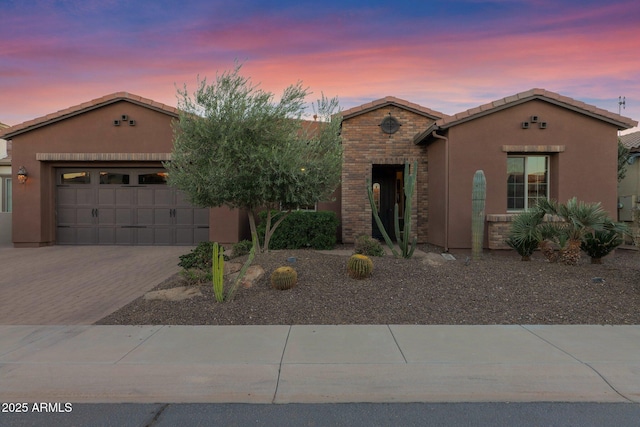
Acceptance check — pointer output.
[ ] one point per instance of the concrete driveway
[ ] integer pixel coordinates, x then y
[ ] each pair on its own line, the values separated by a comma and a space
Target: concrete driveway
78, 285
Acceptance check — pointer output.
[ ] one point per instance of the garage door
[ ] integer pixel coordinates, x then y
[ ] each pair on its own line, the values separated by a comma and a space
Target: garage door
125, 207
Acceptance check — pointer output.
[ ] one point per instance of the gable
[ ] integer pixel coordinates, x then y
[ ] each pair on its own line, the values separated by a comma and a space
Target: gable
533, 95
393, 102
86, 107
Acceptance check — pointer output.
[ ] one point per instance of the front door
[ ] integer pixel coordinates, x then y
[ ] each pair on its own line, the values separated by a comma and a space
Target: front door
388, 189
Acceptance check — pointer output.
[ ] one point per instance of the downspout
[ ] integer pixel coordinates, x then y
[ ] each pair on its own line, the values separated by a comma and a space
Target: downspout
446, 188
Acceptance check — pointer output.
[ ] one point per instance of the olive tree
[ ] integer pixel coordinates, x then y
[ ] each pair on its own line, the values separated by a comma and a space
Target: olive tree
235, 145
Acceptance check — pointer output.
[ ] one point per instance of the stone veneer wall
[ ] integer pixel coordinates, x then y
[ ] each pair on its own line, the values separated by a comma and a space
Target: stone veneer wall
365, 144
498, 226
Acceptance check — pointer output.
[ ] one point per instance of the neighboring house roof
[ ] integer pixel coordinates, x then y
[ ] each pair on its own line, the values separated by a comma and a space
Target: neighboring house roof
631, 141
83, 108
391, 100
541, 94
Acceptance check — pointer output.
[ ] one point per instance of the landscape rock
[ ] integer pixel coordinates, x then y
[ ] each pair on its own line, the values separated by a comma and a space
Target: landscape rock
173, 294
433, 259
253, 274
231, 267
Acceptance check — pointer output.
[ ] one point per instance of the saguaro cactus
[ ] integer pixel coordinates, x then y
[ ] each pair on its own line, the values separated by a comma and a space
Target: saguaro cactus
404, 237
478, 198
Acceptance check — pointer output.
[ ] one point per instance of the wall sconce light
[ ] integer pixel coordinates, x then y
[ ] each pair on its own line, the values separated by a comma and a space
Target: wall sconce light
22, 175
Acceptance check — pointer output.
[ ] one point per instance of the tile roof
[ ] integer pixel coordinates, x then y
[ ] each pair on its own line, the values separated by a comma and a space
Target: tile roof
631, 141
391, 100
537, 94
446, 122
84, 107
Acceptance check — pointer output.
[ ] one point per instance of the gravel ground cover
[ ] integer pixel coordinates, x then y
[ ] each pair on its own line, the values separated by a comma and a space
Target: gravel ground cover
498, 289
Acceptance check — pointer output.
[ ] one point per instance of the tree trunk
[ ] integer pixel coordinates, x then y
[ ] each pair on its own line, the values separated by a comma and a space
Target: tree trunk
547, 249
571, 254
254, 230
267, 238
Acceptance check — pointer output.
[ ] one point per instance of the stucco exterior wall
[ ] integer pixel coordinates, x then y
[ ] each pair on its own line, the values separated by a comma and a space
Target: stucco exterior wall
365, 145
584, 165
90, 132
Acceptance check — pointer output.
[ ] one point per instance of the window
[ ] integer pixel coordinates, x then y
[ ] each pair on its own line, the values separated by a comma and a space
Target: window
527, 181
156, 178
114, 178
75, 178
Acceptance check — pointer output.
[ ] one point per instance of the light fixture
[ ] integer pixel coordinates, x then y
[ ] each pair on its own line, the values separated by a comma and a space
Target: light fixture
22, 175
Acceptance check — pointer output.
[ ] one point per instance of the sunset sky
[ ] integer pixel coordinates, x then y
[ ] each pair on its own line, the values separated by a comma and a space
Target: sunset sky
445, 55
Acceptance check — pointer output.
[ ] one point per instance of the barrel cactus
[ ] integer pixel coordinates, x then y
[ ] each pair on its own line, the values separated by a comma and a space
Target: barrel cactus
284, 278
359, 266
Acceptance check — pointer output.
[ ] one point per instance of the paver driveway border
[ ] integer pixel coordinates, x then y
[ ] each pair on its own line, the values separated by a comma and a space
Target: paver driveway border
78, 285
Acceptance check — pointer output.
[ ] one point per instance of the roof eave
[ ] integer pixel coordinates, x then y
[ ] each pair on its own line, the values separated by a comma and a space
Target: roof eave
423, 138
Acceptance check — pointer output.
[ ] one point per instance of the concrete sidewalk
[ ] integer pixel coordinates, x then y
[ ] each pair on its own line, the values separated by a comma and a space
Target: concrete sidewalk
312, 364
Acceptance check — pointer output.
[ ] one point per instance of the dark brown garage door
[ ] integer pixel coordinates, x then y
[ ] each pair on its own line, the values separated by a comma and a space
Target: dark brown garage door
125, 207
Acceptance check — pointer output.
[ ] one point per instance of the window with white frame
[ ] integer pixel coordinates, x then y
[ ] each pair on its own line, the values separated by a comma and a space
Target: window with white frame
527, 181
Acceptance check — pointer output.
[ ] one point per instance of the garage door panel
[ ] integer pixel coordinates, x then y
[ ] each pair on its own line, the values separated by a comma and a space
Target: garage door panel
114, 210
124, 196
124, 236
106, 235
67, 196
66, 235
184, 216
190, 236
84, 216
86, 235
163, 235
201, 217
144, 196
162, 216
144, 216
84, 196
107, 196
163, 196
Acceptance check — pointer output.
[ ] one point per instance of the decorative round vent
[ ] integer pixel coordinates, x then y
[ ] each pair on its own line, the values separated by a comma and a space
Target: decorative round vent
390, 125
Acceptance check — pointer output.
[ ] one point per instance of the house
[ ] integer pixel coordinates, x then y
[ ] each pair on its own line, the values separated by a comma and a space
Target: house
95, 171
629, 186
530, 145
5, 190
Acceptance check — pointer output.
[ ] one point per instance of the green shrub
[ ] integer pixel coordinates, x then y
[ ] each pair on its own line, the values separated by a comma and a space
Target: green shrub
302, 229
194, 277
242, 248
525, 247
199, 257
367, 245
